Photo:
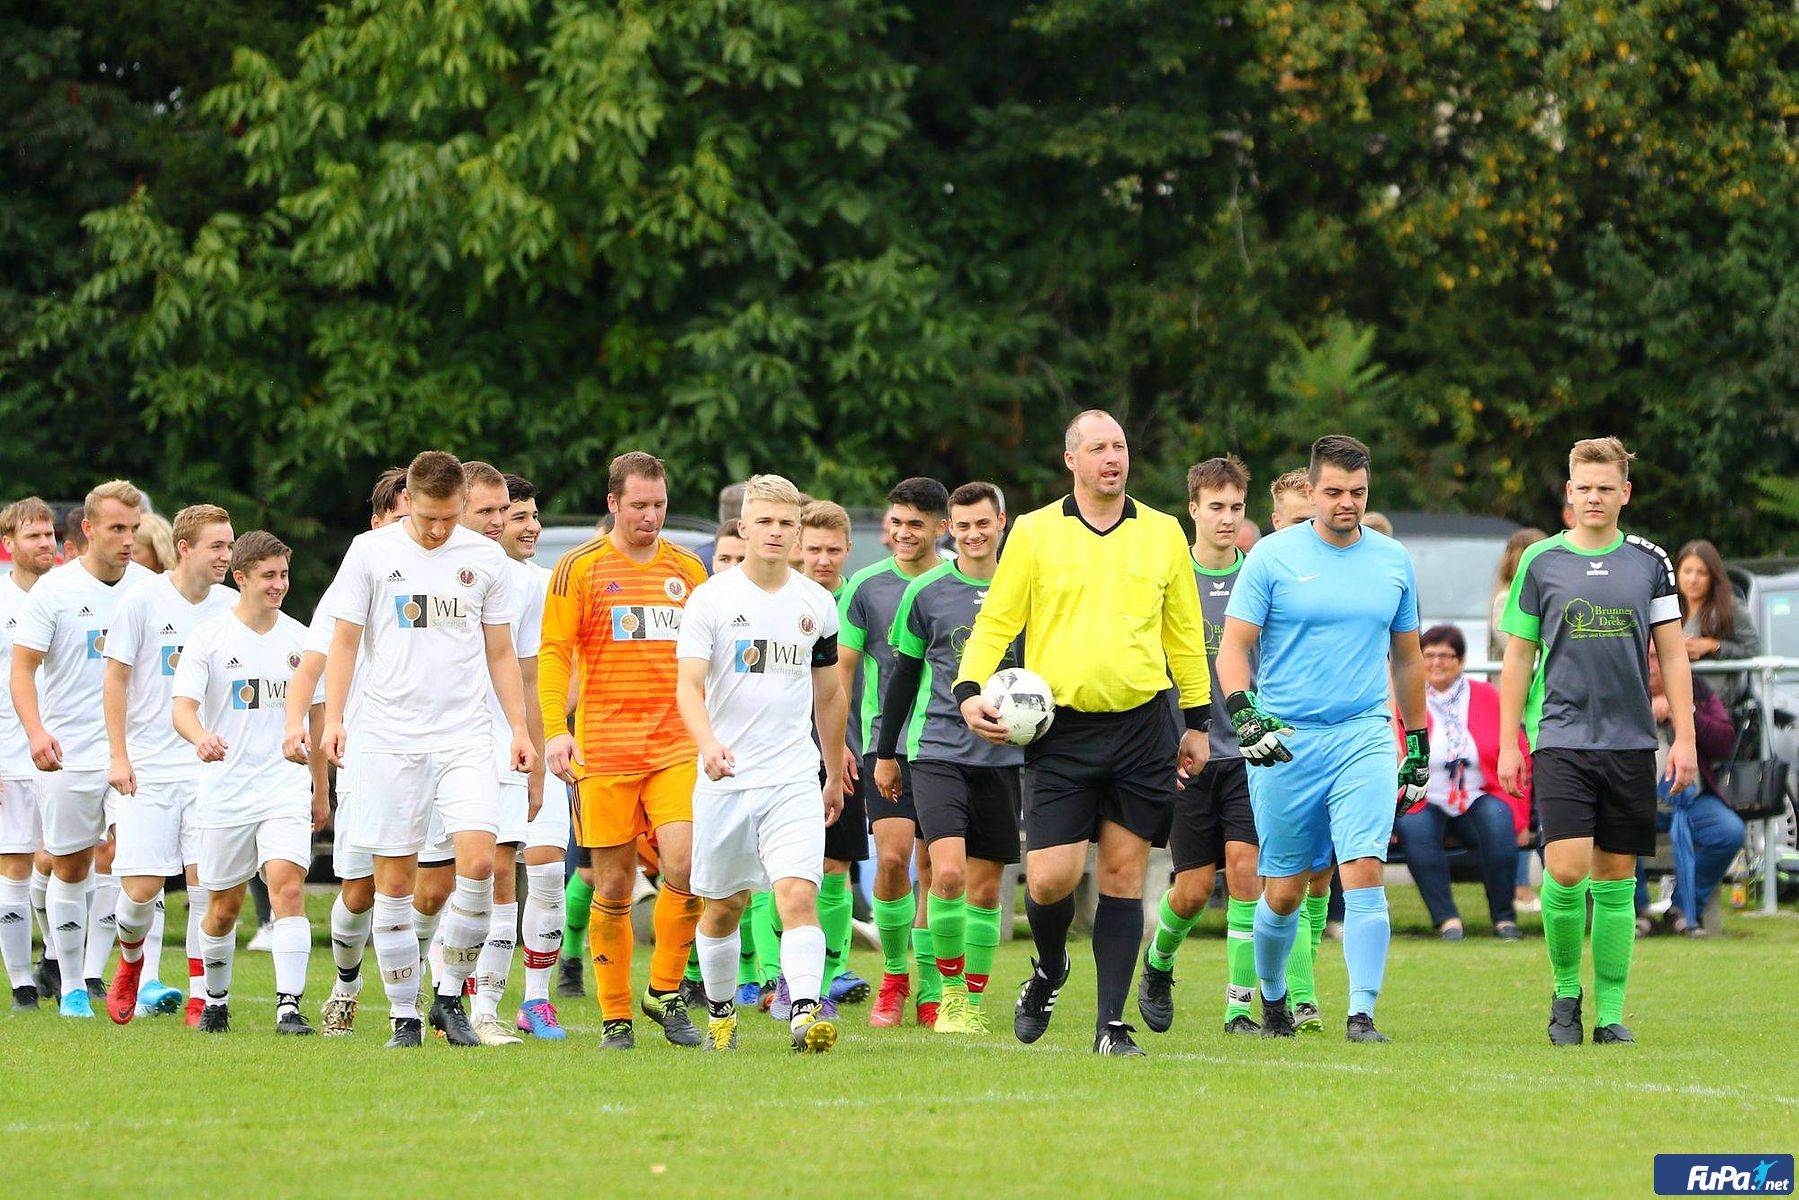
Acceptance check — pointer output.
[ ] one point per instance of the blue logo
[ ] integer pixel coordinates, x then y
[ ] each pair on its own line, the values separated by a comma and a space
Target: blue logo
1723, 1174
96, 643
171, 658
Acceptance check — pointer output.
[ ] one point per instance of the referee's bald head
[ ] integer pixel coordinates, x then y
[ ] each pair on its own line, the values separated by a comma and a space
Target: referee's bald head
1071, 437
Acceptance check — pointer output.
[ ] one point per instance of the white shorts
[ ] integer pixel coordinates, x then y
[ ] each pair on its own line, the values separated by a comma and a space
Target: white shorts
75, 809
21, 828
398, 793
231, 855
515, 812
550, 826
347, 862
744, 840
156, 830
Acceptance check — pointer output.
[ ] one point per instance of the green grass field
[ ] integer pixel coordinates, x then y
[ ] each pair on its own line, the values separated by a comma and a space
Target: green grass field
1469, 1100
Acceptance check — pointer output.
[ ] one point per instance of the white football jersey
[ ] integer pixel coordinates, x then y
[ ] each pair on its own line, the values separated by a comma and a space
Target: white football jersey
530, 583
15, 747
147, 634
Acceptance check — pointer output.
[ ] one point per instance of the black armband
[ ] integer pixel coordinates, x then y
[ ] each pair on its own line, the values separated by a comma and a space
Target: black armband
896, 705
966, 691
824, 652
1198, 718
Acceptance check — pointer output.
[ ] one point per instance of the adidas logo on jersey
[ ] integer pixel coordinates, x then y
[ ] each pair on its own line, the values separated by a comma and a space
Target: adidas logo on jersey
233, 663
168, 629
85, 611
739, 622
396, 577
612, 588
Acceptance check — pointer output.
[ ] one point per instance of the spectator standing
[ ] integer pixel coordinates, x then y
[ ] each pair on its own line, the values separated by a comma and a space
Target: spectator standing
1515, 546
1717, 624
1463, 796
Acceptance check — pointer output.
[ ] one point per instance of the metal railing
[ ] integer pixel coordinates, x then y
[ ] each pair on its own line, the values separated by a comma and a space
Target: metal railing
1763, 673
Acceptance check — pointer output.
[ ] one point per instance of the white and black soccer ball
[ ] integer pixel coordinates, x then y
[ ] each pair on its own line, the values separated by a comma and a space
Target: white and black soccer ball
1026, 705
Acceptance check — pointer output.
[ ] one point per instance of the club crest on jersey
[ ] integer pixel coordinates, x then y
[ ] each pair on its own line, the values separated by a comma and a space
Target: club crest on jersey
258, 693
675, 589
96, 643
466, 577
430, 612
171, 658
645, 623
808, 624
1588, 620
763, 656
293, 660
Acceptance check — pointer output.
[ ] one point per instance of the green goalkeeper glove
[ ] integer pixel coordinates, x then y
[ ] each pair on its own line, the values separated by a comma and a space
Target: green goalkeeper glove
1257, 731
1414, 769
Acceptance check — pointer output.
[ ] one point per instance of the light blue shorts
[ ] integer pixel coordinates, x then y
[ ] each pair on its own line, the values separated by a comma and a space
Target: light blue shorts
1338, 792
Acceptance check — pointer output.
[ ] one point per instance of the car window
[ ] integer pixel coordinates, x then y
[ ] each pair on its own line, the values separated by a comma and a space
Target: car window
1455, 575
1780, 625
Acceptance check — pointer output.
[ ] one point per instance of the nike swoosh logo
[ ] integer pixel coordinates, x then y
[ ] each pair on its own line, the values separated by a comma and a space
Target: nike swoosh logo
1304, 578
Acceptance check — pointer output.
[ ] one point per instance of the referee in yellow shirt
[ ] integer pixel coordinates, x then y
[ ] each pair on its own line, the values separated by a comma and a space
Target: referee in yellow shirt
1103, 591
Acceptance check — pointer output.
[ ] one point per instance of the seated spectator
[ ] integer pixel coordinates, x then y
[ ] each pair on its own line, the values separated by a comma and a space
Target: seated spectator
1718, 625
1706, 833
1464, 796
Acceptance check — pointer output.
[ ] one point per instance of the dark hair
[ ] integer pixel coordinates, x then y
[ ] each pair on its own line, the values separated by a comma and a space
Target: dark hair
1215, 473
727, 529
388, 486
519, 488
435, 474
1341, 451
922, 493
632, 464
254, 546
72, 532
1717, 613
1444, 635
974, 493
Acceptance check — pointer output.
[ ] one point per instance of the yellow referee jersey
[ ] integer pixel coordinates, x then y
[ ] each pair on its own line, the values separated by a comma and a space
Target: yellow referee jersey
1106, 616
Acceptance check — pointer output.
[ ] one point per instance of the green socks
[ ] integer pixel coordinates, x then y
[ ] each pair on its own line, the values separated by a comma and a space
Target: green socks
1240, 956
949, 929
577, 894
765, 935
834, 911
893, 920
1171, 931
1300, 983
749, 966
1565, 928
982, 941
692, 973
930, 979
1614, 939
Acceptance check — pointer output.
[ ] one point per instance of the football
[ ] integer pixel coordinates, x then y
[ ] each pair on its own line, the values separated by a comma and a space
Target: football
1026, 705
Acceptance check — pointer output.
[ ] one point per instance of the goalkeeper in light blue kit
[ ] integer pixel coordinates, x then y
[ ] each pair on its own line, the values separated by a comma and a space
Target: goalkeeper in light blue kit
1331, 603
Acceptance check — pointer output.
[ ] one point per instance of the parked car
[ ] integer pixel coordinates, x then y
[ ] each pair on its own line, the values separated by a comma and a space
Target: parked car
1457, 560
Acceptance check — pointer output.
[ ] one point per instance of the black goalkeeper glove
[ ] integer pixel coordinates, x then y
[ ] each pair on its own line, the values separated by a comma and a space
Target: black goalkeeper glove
1414, 769
1257, 731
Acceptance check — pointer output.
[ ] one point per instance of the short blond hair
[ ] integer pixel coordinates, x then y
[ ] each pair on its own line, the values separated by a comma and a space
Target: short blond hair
1296, 480
194, 518
20, 512
121, 490
1600, 450
776, 489
485, 474
156, 535
825, 514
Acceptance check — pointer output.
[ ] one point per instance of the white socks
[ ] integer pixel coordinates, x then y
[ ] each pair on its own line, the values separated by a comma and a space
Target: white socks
424, 928
102, 924
397, 953
495, 960
152, 942
199, 900
465, 921
133, 919
544, 910
292, 942
65, 907
40, 889
802, 961
718, 964
349, 938
217, 953
15, 931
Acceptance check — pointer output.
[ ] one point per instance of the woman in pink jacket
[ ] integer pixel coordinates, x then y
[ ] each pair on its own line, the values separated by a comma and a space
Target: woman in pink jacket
1464, 797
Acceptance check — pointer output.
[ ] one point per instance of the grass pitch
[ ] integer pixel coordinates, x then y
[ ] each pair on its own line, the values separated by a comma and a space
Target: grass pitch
1469, 1100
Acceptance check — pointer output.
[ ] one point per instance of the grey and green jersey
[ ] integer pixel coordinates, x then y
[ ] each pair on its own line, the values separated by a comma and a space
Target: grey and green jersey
935, 617
865, 613
1591, 611
1214, 596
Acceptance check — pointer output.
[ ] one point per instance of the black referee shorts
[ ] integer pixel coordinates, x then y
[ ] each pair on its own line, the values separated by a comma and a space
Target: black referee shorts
880, 808
1606, 795
978, 804
846, 838
1213, 809
1089, 767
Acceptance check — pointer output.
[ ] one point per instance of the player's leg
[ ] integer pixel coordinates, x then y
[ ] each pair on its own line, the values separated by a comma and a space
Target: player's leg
227, 862
1361, 824
924, 945
1624, 829
102, 911
718, 938
667, 800
609, 817
790, 845
197, 901
72, 812
148, 836
724, 866
390, 821
494, 963
466, 799
352, 919
546, 846
764, 933
21, 833
1291, 824
1061, 812
846, 842
942, 798
1196, 845
284, 845
1244, 888
1566, 793
895, 828
47, 975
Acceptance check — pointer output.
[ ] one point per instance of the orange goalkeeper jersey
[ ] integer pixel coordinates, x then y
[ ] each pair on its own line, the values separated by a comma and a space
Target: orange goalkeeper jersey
612, 624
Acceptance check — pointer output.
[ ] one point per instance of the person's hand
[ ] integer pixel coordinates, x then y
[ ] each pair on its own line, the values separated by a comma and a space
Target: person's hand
1698, 647
1257, 731
296, 747
1511, 769
522, 755
211, 747
1683, 764
1525, 838
46, 752
321, 808
721, 764
888, 781
1195, 750
833, 794
561, 756
533, 804
1414, 769
852, 770
333, 743
121, 778
983, 718
1658, 708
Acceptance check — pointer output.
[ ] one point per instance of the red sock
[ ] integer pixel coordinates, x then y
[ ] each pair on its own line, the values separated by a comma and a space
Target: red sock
976, 984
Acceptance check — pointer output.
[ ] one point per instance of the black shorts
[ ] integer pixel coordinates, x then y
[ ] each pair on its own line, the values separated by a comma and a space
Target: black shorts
979, 804
1212, 810
1089, 767
1606, 795
880, 808
846, 838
